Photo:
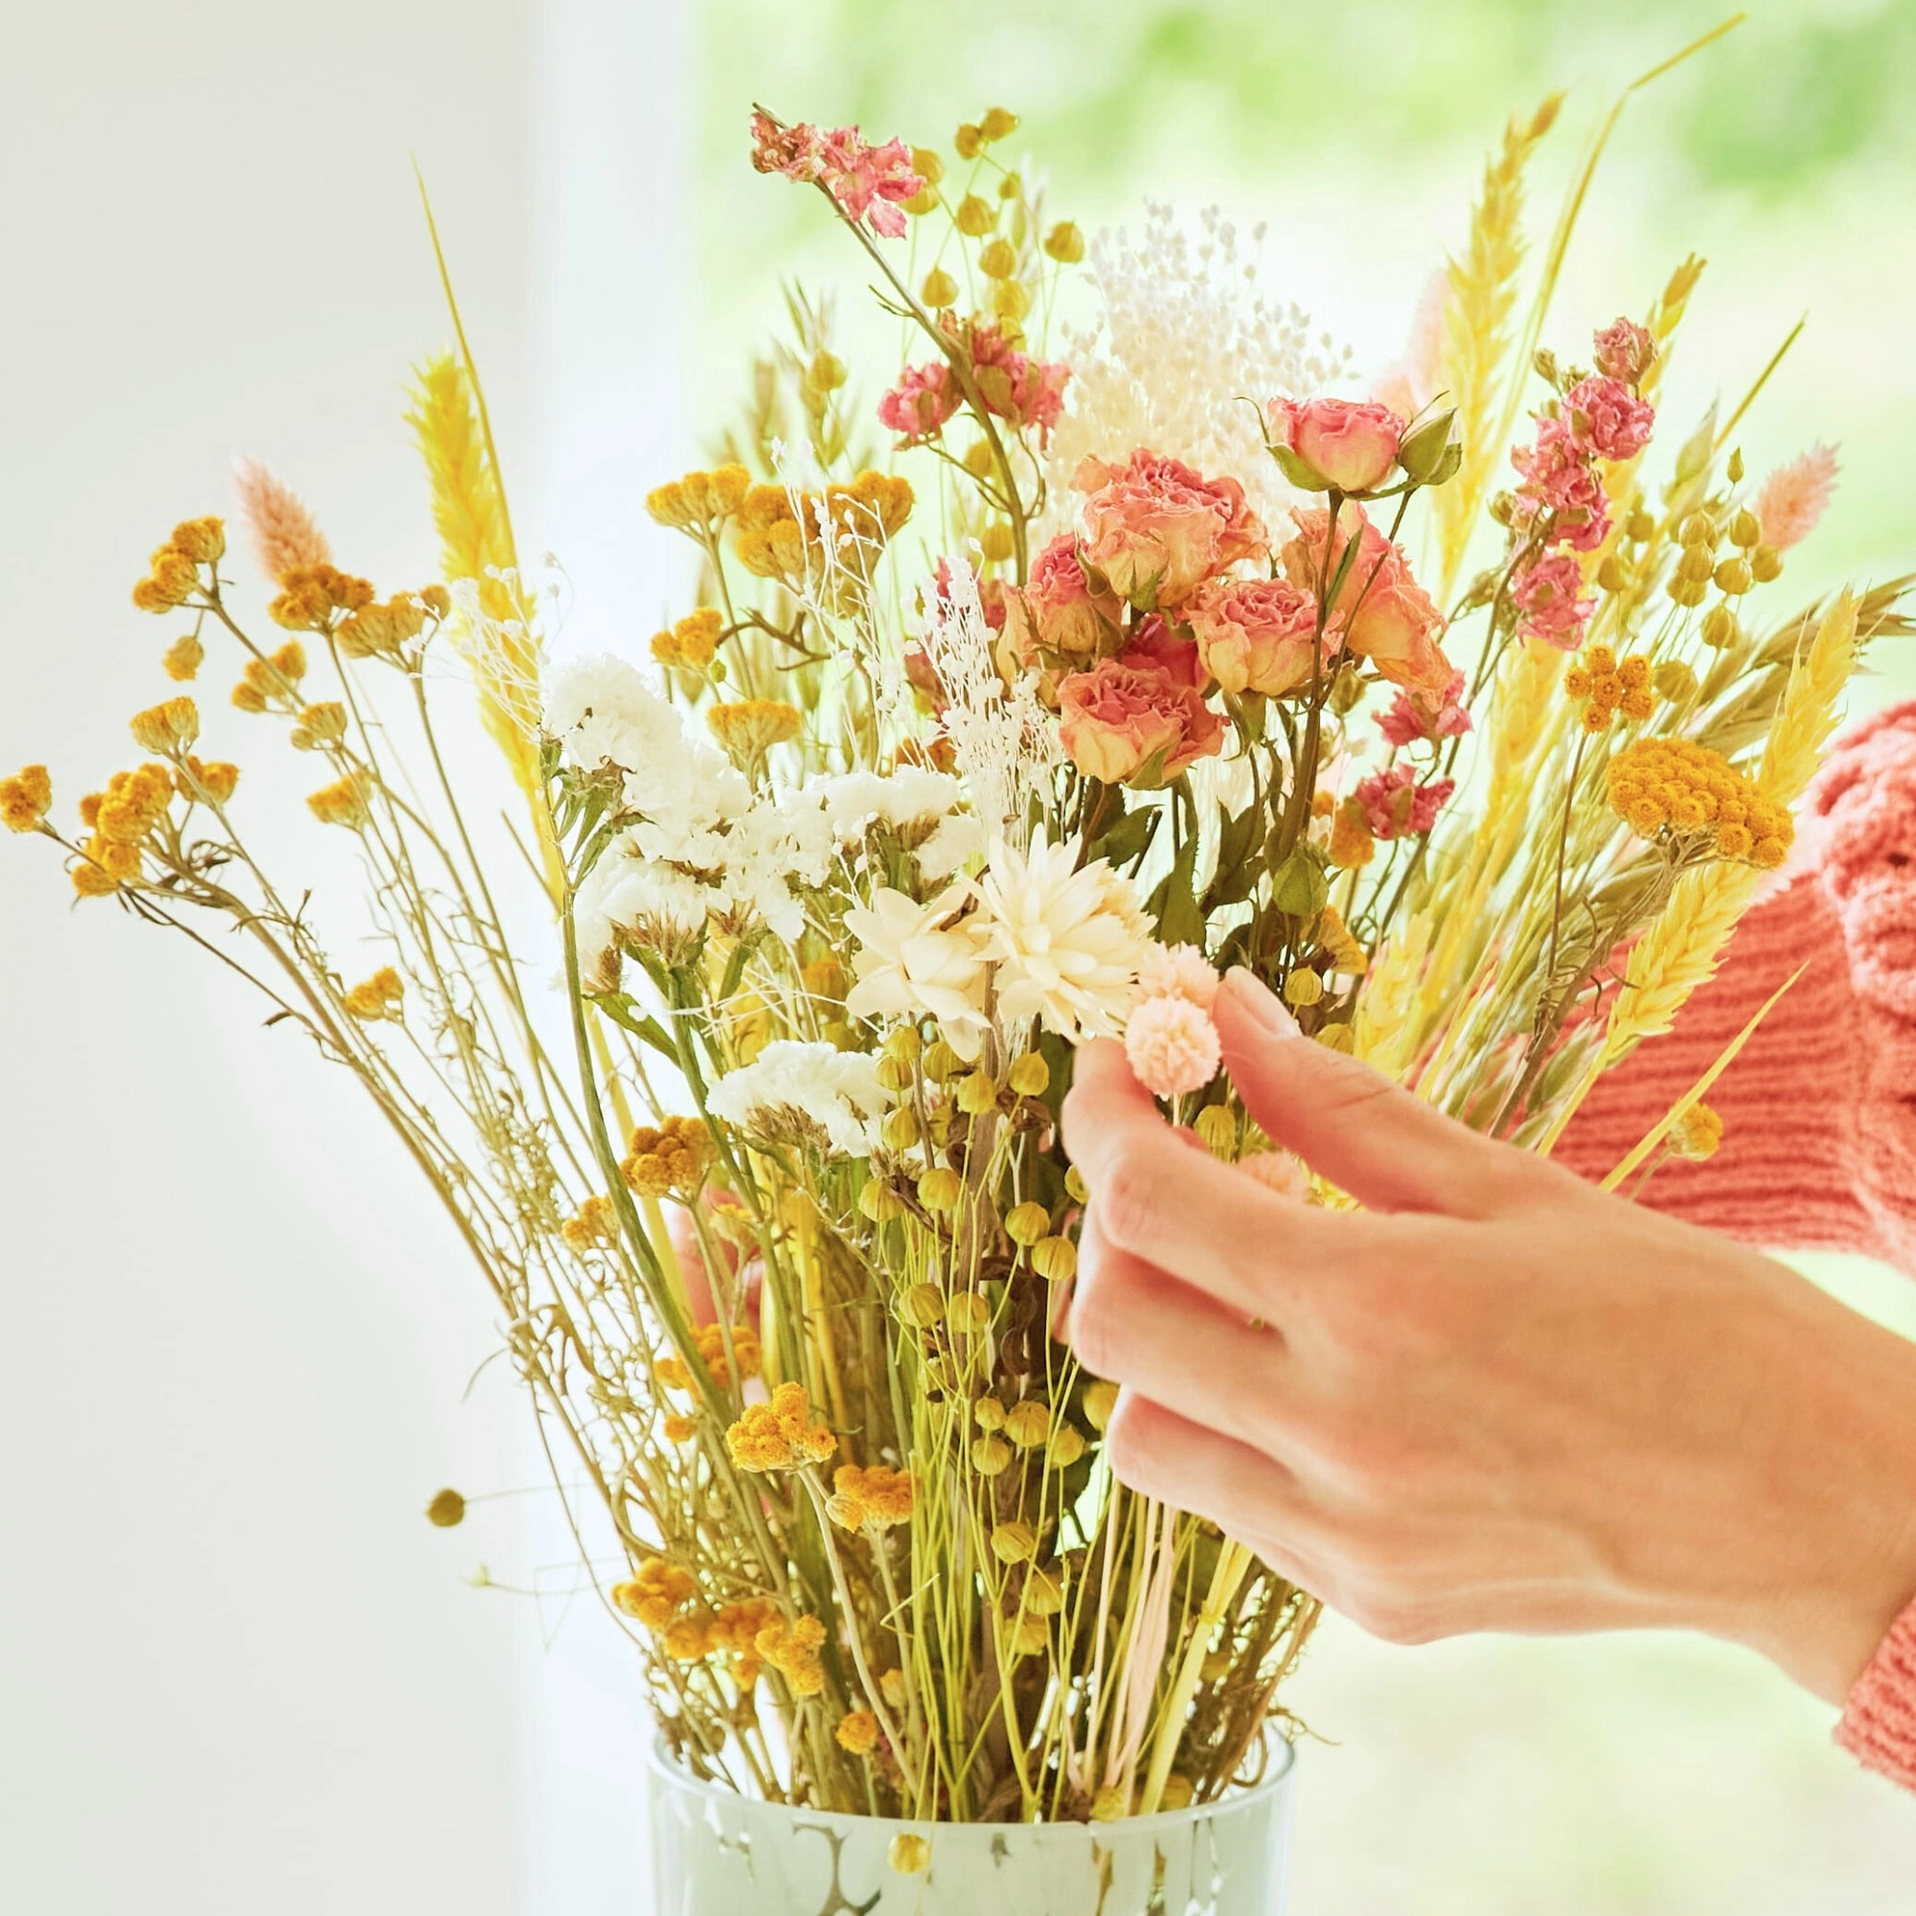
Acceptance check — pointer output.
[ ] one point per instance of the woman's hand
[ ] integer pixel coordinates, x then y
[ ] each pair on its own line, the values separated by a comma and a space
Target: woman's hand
1496, 1399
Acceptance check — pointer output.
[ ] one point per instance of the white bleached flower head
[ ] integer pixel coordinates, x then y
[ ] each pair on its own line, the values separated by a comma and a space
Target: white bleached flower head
921, 807
627, 899
915, 960
812, 1095
1067, 940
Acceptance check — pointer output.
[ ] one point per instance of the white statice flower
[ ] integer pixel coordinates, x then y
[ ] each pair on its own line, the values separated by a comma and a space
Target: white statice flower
1183, 336
1067, 941
1005, 742
920, 806
604, 712
779, 842
630, 900
916, 960
811, 1095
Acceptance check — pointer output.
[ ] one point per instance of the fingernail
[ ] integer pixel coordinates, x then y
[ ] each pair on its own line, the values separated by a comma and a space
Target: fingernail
1259, 1003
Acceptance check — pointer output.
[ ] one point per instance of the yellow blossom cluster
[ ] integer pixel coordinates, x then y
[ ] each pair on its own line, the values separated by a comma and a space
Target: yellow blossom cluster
26, 798
674, 1155
692, 641
784, 536
780, 1435
182, 659
857, 1732
213, 780
166, 728
344, 802
749, 728
1673, 783
119, 819
721, 1356
679, 1429
593, 1225
874, 1498
318, 725
265, 679
1696, 1134
173, 573
699, 500
1605, 686
311, 594
656, 1593
378, 997
792, 1650
382, 631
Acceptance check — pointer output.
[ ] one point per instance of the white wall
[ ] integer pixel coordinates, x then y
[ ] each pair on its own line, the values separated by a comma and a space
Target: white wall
238, 1672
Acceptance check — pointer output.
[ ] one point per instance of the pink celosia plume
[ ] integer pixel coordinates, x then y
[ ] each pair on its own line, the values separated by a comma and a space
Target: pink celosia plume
284, 533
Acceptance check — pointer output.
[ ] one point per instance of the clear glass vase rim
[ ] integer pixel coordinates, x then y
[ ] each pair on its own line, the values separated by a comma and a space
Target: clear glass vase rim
1235, 1802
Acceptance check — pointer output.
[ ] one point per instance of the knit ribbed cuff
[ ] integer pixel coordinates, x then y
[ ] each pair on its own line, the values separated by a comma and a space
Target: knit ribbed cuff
1879, 1721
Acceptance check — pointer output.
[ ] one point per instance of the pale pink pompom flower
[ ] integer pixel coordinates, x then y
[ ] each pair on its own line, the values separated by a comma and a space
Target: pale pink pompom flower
285, 534
1177, 971
1278, 1171
1795, 497
1172, 1045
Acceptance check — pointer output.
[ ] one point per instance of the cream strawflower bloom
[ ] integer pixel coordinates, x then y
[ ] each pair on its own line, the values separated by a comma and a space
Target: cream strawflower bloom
916, 959
1067, 941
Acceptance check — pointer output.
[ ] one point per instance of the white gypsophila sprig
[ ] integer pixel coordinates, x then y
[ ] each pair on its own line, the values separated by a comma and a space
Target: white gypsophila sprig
1183, 336
809, 1094
1005, 743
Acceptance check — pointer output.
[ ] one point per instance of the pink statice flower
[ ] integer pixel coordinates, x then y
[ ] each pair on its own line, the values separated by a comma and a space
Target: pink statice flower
870, 183
1548, 592
1559, 484
1178, 971
1795, 496
1625, 351
1172, 1045
1608, 418
1415, 716
1397, 806
1026, 390
918, 406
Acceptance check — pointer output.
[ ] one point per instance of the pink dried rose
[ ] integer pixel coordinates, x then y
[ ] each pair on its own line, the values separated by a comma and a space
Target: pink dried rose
1415, 716
1027, 391
1548, 593
1348, 444
1397, 806
1625, 351
1122, 721
1157, 530
1608, 418
870, 183
1794, 497
1172, 1045
1154, 647
1056, 612
1381, 613
1559, 484
1254, 635
918, 406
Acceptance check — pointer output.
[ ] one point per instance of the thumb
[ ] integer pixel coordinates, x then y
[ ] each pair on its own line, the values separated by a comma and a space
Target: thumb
1349, 1123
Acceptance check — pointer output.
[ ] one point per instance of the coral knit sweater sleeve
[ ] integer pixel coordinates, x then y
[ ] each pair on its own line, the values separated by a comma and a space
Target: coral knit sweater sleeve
1819, 1109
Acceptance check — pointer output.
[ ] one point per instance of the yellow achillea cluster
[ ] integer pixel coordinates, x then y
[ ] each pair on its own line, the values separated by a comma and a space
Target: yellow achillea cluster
735, 1631
1696, 1134
749, 728
674, 1155
857, 1732
119, 819
168, 727
782, 536
874, 1498
182, 659
26, 798
656, 1594
378, 997
1656, 784
341, 803
592, 1226
721, 1356
267, 679
1605, 686
700, 500
780, 1435
691, 642
310, 595
680, 1430
382, 631
173, 573
214, 780
792, 1650
318, 725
